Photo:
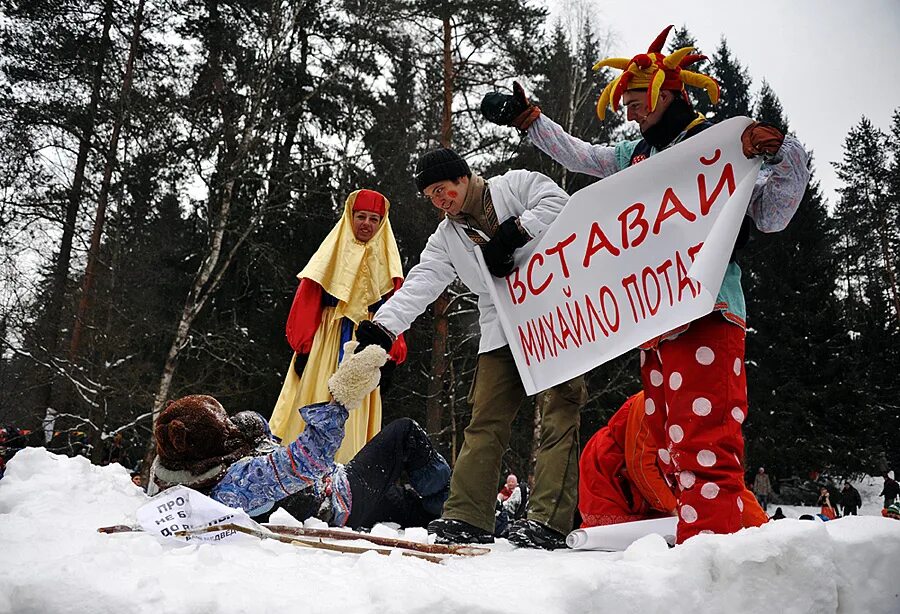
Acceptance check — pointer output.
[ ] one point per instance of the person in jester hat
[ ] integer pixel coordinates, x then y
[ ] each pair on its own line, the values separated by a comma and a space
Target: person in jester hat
621, 478
693, 377
355, 268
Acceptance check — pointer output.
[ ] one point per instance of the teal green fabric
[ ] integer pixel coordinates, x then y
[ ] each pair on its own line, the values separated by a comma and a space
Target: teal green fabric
731, 296
624, 151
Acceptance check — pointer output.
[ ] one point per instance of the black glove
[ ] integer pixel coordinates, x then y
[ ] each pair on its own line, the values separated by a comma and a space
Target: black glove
387, 375
368, 333
509, 109
499, 250
300, 363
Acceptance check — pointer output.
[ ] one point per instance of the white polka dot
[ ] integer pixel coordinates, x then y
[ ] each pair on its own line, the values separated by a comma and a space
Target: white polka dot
675, 380
643, 357
738, 415
702, 406
649, 407
687, 479
705, 355
688, 514
737, 366
706, 458
656, 378
740, 504
664, 455
709, 490
676, 433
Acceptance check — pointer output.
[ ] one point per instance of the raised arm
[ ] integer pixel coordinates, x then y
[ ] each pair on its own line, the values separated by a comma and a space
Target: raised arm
779, 187
573, 153
422, 286
254, 484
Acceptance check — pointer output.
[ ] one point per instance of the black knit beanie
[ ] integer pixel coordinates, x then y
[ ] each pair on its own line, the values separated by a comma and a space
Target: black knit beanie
439, 164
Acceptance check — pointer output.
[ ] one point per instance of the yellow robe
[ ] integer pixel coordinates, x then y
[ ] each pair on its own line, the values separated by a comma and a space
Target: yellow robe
357, 274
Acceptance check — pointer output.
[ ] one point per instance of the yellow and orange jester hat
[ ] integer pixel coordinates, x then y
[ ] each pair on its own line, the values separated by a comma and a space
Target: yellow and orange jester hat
654, 71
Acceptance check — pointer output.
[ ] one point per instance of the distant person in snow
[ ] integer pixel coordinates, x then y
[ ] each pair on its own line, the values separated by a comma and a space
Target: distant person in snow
235, 461
762, 488
891, 490
827, 509
355, 268
509, 487
694, 376
850, 500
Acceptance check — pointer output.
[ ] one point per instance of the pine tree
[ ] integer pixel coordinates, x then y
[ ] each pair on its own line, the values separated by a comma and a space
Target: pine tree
868, 214
801, 381
734, 83
681, 37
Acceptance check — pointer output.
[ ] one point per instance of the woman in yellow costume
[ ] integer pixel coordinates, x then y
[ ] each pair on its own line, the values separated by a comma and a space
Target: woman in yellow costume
354, 270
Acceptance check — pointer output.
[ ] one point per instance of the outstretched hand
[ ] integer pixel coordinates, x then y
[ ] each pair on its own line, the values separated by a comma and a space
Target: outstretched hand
510, 109
357, 375
369, 333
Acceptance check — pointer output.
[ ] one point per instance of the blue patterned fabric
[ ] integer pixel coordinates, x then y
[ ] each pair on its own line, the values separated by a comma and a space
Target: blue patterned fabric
256, 483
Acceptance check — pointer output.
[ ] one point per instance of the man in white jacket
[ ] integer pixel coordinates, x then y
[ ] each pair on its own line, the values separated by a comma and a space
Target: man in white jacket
496, 216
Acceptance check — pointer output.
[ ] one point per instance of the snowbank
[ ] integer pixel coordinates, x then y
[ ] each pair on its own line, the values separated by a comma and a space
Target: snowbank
55, 561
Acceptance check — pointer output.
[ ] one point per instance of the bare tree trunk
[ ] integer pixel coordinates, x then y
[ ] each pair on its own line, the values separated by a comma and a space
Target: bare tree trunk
446, 116
64, 257
233, 155
87, 288
434, 405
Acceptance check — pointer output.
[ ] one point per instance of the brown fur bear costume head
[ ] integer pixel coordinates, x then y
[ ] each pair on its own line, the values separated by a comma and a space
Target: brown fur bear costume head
196, 441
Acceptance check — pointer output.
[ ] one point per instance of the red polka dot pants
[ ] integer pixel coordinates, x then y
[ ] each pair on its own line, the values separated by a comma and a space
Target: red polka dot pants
696, 392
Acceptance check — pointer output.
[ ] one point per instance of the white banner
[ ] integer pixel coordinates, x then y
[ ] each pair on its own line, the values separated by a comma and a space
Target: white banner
182, 509
630, 257
617, 537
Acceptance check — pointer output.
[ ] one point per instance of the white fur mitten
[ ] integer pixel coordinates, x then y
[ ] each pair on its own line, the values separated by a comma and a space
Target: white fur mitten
357, 375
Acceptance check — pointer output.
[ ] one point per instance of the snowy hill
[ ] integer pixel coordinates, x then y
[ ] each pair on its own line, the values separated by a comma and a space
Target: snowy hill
55, 561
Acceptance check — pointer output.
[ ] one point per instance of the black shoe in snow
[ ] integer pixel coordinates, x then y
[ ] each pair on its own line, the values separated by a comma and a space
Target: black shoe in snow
526, 533
450, 531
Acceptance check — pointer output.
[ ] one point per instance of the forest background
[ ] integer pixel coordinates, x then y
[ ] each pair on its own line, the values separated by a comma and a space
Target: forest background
168, 166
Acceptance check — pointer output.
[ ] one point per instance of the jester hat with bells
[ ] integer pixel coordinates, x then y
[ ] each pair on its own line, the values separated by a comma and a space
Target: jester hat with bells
654, 71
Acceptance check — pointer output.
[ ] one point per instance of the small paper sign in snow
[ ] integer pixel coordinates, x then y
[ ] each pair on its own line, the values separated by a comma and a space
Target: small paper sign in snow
183, 509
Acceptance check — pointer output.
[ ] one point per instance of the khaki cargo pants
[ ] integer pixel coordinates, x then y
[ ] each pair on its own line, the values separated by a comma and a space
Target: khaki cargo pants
496, 396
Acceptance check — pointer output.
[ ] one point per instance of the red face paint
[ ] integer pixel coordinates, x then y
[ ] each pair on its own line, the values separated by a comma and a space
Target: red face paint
452, 194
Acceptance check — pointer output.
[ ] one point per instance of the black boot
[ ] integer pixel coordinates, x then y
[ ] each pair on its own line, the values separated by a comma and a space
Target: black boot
526, 533
450, 531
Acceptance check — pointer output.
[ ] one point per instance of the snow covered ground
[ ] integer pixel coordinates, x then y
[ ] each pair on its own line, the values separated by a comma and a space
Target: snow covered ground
54, 561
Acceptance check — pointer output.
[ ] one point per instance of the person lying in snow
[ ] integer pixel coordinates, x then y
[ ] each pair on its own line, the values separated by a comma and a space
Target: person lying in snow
620, 479
235, 461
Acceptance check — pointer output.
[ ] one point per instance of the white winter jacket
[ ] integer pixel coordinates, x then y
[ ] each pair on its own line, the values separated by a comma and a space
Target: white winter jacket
532, 197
